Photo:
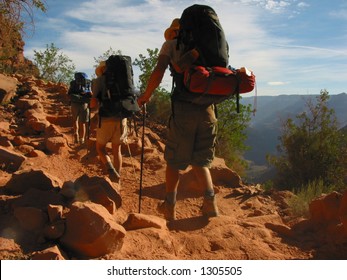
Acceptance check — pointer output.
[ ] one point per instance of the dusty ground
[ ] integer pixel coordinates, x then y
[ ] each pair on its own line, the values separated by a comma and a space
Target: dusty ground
252, 224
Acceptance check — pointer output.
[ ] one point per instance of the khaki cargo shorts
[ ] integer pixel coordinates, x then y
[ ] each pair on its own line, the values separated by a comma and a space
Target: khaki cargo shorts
191, 136
80, 112
112, 130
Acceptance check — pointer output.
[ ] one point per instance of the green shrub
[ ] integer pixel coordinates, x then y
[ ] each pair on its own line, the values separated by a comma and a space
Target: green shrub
299, 203
311, 148
54, 65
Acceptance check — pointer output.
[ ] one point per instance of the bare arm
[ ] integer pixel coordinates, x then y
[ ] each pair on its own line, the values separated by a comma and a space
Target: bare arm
155, 78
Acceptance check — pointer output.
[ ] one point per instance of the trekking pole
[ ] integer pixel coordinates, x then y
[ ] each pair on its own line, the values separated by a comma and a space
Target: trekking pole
142, 152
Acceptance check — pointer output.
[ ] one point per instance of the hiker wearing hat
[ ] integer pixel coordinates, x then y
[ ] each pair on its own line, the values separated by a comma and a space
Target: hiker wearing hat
80, 94
110, 129
191, 131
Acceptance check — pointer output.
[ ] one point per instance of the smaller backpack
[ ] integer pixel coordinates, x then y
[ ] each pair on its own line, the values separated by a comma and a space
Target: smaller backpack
81, 80
118, 97
80, 88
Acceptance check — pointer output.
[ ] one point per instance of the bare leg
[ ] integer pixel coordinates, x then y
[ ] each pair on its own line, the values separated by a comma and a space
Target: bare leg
106, 160
117, 157
203, 176
168, 206
75, 129
172, 179
101, 150
204, 179
82, 131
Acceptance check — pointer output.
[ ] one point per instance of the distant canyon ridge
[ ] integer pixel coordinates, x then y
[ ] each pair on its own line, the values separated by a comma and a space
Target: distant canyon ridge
271, 112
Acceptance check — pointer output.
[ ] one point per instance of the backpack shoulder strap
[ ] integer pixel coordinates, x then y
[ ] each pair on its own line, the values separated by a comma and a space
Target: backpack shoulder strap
74, 88
177, 78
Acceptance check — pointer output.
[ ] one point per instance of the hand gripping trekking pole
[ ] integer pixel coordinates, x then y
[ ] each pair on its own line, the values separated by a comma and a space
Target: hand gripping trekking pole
142, 152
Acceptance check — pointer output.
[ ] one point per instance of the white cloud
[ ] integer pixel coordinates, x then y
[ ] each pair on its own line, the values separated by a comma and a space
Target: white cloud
278, 83
273, 6
303, 5
276, 6
340, 14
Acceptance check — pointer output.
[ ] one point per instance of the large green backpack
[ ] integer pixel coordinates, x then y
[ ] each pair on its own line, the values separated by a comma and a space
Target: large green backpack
210, 80
119, 97
200, 29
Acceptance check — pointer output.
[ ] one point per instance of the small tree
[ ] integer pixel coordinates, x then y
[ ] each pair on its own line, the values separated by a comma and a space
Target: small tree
231, 133
311, 149
53, 65
159, 107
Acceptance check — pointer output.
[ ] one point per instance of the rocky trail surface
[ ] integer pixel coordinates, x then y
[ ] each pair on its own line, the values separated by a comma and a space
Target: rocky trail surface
56, 201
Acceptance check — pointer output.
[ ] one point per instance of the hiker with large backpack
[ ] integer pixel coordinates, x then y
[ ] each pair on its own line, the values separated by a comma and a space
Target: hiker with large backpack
192, 128
80, 94
114, 95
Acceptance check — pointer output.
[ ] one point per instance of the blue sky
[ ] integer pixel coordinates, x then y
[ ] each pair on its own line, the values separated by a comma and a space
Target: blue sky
293, 46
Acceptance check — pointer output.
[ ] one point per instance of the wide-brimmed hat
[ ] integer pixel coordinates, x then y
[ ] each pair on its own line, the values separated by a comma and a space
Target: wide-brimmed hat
171, 32
100, 69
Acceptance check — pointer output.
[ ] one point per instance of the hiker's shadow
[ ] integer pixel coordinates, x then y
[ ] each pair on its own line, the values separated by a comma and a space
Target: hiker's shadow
242, 198
183, 191
185, 224
85, 153
155, 192
188, 224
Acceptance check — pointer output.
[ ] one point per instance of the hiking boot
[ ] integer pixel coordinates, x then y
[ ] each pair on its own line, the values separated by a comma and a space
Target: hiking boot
168, 210
209, 207
113, 175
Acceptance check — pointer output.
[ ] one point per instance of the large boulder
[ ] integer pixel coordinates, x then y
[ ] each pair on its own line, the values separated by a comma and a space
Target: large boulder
31, 218
91, 231
40, 199
99, 190
26, 179
325, 209
222, 174
11, 160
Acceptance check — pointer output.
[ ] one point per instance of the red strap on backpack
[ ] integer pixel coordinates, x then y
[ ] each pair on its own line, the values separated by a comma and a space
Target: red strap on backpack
246, 80
208, 85
211, 80
247, 83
